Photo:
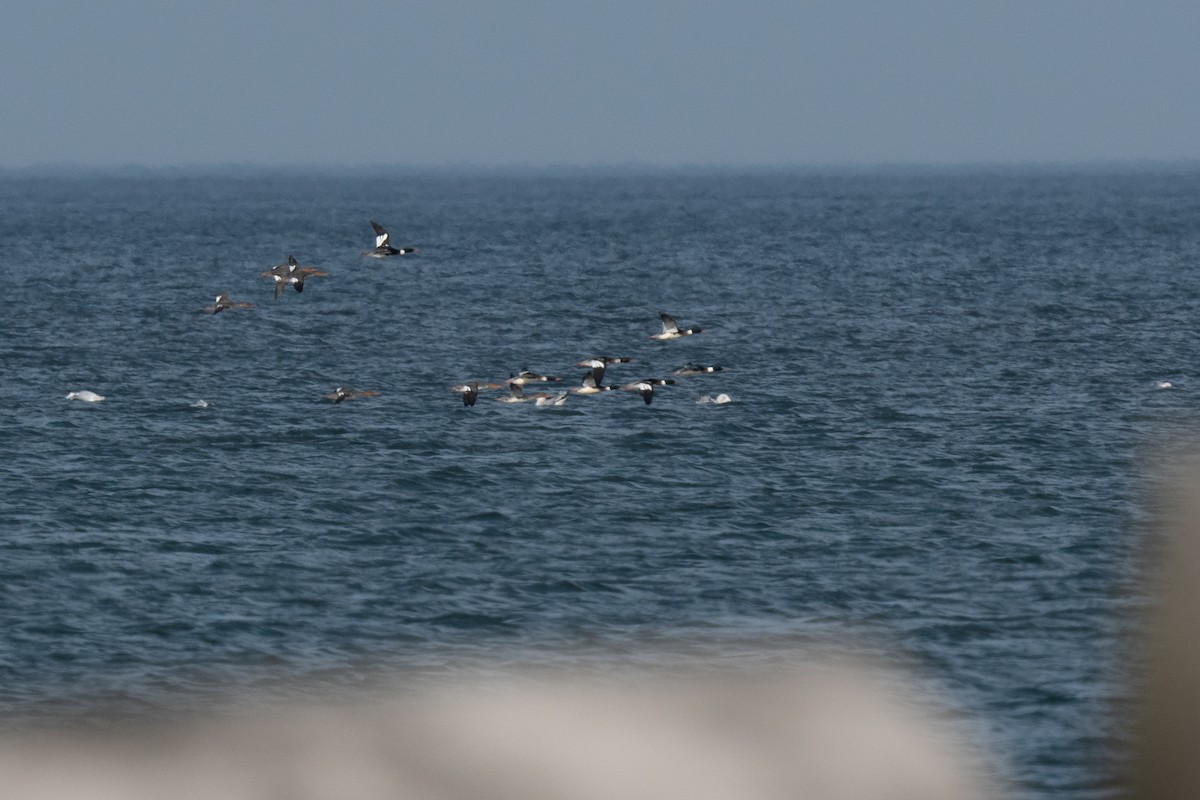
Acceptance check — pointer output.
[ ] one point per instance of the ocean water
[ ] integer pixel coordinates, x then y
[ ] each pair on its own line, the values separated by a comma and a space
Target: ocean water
943, 403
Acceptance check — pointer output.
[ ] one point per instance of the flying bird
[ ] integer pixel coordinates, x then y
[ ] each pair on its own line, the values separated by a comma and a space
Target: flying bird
383, 247
591, 383
527, 376
469, 391
291, 274
602, 361
346, 393
671, 329
222, 303
696, 369
644, 388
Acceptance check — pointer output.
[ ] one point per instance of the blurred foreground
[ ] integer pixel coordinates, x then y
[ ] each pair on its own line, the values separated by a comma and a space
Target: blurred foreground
691, 735
829, 731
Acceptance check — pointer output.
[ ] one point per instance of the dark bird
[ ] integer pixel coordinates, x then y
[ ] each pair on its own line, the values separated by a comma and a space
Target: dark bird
469, 391
222, 303
696, 369
346, 393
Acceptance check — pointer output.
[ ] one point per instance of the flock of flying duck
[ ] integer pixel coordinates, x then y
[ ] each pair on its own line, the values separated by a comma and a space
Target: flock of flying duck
593, 379
294, 274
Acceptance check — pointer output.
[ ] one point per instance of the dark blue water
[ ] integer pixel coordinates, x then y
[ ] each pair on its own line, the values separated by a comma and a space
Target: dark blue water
943, 392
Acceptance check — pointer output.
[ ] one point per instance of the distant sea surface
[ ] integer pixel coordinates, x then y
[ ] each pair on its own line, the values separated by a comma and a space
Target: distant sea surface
944, 396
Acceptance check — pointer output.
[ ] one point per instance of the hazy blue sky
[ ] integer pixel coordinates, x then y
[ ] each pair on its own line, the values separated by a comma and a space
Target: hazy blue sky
512, 82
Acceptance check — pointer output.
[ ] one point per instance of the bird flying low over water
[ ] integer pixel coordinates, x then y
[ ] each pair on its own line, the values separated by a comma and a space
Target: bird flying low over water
346, 393
551, 399
383, 247
645, 389
222, 303
527, 376
86, 396
671, 329
602, 361
696, 369
591, 383
469, 391
290, 273
515, 395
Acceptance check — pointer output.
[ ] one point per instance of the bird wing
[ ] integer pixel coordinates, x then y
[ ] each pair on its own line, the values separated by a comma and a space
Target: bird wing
381, 235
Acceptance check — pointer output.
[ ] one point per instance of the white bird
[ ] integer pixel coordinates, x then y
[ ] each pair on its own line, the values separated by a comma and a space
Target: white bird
86, 396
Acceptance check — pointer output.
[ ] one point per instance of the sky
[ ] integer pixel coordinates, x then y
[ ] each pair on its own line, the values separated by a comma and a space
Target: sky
595, 83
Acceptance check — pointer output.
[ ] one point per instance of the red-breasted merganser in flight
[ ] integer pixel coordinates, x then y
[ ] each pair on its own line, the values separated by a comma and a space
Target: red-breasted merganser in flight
602, 362
551, 399
671, 329
469, 392
346, 393
696, 369
515, 395
591, 383
645, 387
222, 302
526, 377
383, 247
290, 273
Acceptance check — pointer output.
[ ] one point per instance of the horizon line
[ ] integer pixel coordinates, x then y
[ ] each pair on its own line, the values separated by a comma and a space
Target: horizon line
617, 168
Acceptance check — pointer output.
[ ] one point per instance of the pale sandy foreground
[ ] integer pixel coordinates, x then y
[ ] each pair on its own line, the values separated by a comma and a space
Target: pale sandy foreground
819, 734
